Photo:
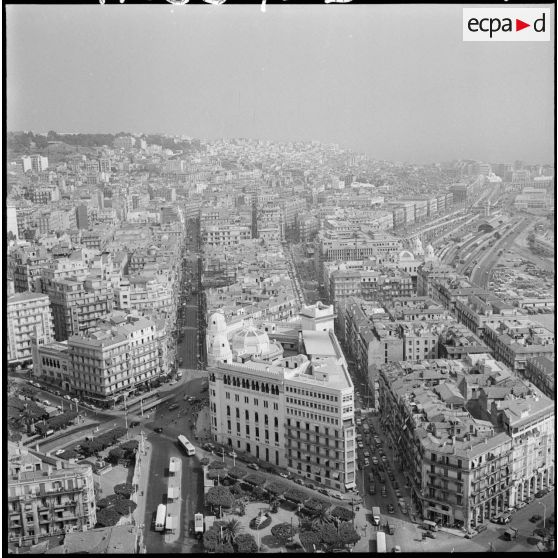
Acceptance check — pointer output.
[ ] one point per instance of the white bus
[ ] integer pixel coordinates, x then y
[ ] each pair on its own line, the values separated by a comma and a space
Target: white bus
185, 443
161, 517
380, 541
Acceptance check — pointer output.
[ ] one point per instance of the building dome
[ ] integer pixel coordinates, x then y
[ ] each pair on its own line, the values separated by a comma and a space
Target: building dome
217, 322
251, 340
406, 255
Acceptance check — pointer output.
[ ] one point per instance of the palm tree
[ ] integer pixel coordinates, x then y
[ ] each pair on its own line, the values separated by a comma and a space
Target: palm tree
323, 517
231, 529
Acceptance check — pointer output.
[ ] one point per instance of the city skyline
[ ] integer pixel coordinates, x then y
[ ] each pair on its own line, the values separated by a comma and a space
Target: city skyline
303, 75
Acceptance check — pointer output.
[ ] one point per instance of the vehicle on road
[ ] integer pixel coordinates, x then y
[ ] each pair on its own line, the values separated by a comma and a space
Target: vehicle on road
160, 517
431, 534
360, 445
391, 509
59, 452
158, 429
186, 445
256, 468
46, 402
134, 423
510, 534
398, 493
67, 397
534, 518
285, 475
323, 491
173, 406
538, 494
376, 517
366, 462
380, 542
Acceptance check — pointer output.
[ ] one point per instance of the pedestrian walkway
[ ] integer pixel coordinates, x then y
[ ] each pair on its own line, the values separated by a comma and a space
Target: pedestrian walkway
143, 463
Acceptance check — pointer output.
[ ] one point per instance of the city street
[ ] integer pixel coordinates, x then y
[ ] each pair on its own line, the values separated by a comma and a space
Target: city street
165, 446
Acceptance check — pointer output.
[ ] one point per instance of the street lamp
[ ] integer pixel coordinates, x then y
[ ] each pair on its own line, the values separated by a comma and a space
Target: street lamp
544, 513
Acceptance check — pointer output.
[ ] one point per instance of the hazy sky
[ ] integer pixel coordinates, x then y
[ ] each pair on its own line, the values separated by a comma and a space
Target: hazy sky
394, 81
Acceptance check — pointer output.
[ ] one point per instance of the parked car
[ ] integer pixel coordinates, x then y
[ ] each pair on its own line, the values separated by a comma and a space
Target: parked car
59, 452
285, 475
375, 460
173, 406
323, 491
384, 492
134, 423
534, 518
430, 534
67, 397
158, 429
360, 445
366, 462
391, 509
253, 466
398, 493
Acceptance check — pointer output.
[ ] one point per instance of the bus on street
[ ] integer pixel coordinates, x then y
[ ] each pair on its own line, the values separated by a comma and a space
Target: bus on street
185, 443
161, 517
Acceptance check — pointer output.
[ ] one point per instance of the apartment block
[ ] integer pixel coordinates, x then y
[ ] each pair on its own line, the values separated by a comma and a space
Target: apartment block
466, 463
46, 497
110, 363
516, 340
28, 316
77, 304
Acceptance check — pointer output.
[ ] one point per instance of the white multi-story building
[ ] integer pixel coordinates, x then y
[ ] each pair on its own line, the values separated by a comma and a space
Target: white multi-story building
110, 363
29, 316
288, 400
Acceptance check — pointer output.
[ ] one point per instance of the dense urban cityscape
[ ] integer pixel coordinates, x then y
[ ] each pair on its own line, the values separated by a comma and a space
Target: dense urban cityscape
242, 345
